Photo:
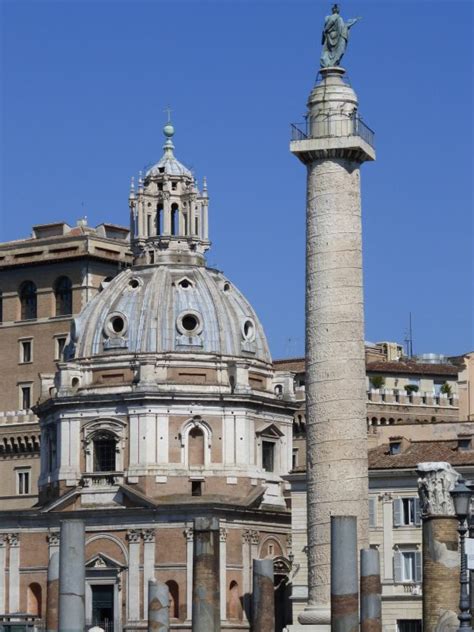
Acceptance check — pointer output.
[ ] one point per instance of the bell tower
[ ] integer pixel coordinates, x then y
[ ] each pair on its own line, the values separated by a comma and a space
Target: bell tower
168, 213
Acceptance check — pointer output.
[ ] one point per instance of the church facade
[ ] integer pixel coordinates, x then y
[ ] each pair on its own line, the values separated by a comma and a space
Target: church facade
162, 409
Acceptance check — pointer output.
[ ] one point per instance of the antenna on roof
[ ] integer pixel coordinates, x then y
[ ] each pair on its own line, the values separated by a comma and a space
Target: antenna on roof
409, 337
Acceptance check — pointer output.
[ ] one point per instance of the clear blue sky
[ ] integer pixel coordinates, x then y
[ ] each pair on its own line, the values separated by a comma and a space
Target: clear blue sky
84, 86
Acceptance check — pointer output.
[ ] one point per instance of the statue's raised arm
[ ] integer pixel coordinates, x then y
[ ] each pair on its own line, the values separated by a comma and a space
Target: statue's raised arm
335, 37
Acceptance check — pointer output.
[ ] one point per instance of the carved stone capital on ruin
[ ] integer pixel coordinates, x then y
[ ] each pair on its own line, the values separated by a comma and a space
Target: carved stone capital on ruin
13, 539
189, 534
222, 534
435, 481
133, 536
53, 538
148, 535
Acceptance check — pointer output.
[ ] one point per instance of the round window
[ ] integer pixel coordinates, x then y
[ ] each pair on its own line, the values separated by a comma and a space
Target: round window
117, 324
134, 283
189, 323
248, 330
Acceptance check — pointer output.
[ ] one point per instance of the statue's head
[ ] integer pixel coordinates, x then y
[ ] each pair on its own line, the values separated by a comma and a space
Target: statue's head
335, 8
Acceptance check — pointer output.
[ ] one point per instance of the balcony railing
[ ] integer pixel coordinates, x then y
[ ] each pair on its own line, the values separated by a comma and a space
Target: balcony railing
333, 127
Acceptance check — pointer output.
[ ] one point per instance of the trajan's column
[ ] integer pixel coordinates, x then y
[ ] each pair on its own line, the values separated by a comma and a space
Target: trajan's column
333, 145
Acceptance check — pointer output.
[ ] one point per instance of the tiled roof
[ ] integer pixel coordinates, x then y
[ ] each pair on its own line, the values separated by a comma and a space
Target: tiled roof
413, 368
417, 452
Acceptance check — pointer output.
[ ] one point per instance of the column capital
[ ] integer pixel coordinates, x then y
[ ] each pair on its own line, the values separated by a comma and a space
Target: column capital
53, 538
133, 536
13, 539
148, 535
222, 534
189, 534
435, 481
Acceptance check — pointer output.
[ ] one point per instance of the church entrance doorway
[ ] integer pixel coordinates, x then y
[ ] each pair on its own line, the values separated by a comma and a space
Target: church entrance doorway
103, 606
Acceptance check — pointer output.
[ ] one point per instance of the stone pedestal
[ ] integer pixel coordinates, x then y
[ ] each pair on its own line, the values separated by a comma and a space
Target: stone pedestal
333, 149
440, 546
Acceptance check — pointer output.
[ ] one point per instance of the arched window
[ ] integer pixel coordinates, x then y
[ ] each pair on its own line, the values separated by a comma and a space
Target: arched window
34, 600
104, 452
63, 294
174, 219
196, 447
159, 219
234, 606
28, 300
174, 599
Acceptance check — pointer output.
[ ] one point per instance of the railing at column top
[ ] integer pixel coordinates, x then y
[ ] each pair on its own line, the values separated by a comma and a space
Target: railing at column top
333, 127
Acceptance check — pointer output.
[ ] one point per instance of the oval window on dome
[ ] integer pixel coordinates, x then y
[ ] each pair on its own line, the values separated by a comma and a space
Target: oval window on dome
116, 325
134, 283
248, 329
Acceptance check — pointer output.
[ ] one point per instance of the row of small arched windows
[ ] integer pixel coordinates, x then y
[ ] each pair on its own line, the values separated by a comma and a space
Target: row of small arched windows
28, 295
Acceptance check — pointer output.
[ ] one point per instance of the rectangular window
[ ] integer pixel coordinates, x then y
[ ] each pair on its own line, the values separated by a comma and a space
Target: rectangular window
23, 482
409, 625
406, 512
294, 460
25, 396
26, 351
407, 566
372, 512
60, 344
196, 488
268, 456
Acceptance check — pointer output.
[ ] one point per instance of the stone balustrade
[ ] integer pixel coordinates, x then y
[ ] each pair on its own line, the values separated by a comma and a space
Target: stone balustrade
391, 396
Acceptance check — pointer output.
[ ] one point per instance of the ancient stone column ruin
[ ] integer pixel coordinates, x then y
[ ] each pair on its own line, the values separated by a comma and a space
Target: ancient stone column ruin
440, 546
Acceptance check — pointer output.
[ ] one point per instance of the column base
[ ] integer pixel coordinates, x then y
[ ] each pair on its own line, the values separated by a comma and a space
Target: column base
318, 616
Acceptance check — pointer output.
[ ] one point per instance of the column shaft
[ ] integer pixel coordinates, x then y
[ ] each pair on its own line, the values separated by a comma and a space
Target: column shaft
335, 365
370, 591
206, 594
344, 576
158, 607
72, 576
263, 597
52, 596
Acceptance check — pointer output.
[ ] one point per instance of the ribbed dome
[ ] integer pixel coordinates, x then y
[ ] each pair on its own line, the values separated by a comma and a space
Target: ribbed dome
170, 308
170, 166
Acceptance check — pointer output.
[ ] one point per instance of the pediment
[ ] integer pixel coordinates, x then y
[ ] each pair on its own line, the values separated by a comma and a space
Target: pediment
102, 561
271, 431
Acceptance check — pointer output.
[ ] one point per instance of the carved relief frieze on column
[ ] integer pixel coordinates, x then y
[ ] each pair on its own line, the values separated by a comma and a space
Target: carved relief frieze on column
440, 545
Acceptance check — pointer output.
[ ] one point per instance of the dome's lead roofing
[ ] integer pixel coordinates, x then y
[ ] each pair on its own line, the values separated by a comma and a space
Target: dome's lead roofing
160, 309
168, 163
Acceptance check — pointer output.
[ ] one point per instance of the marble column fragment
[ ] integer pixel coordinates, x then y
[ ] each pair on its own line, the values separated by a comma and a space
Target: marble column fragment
440, 546
263, 597
206, 595
370, 591
344, 576
52, 596
158, 607
72, 576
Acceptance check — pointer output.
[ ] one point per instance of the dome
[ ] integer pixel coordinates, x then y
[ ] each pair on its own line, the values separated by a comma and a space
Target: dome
169, 165
170, 308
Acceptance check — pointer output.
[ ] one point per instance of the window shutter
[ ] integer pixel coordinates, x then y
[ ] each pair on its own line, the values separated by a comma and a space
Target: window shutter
397, 512
372, 512
418, 572
397, 567
417, 512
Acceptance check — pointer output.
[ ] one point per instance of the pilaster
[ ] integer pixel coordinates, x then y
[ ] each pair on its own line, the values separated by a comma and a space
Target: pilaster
223, 570
14, 572
133, 584
3, 543
148, 563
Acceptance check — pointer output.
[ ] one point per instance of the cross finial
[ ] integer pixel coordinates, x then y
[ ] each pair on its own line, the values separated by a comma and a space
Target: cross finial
168, 112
